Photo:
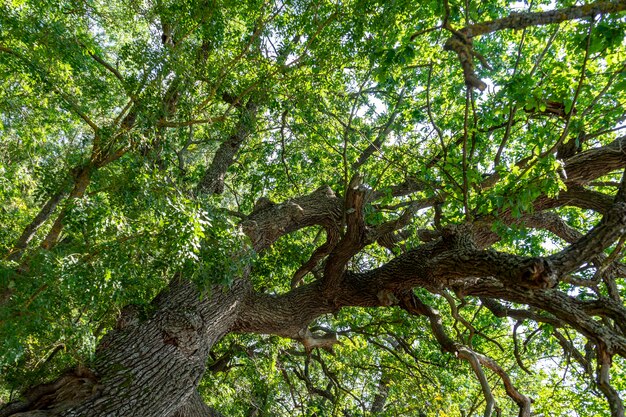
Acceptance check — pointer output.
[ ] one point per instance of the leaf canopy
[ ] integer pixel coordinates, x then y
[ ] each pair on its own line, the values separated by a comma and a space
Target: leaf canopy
112, 113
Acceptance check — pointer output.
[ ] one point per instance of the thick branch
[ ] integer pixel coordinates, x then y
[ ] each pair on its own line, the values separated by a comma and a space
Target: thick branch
565, 308
269, 221
583, 167
472, 358
354, 239
604, 383
449, 262
81, 182
555, 224
382, 392
597, 162
519, 21
461, 40
580, 197
611, 228
213, 180
34, 225
332, 238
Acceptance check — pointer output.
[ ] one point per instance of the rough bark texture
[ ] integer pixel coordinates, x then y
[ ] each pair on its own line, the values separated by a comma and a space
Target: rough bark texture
152, 367
134, 361
213, 180
171, 346
196, 407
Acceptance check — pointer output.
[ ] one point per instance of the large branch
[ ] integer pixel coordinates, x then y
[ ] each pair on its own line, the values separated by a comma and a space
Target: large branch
578, 170
583, 167
449, 260
431, 266
30, 230
81, 178
576, 196
611, 228
555, 224
523, 20
452, 261
354, 238
461, 40
332, 238
595, 163
500, 310
612, 395
81, 182
269, 221
213, 180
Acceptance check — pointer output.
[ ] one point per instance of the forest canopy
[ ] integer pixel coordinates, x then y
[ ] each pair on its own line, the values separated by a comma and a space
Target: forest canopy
312, 208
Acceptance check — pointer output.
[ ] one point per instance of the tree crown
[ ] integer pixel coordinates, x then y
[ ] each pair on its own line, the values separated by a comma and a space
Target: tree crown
458, 163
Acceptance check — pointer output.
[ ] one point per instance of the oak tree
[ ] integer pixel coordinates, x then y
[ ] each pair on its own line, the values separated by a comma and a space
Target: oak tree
314, 208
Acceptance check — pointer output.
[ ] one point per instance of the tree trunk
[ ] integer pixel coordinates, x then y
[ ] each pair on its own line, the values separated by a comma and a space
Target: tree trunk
149, 368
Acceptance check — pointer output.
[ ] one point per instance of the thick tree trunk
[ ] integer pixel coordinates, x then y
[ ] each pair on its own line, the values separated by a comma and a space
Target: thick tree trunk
153, 368
149, 368
195, 407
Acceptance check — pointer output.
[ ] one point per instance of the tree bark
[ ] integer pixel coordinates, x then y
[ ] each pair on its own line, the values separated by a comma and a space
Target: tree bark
213, 180
196, 407
34, 225
150, 368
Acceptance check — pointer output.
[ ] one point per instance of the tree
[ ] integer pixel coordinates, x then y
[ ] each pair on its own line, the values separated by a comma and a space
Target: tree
312, 208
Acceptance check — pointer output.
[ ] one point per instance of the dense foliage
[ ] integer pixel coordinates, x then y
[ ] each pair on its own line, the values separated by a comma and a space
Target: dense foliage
137, 139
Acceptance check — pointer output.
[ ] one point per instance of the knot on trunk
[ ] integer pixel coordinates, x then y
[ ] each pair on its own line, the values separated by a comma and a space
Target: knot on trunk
537, 273
182, 328
270, 221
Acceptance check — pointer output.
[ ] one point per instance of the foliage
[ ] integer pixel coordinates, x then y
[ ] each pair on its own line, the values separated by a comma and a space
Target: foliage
141, 95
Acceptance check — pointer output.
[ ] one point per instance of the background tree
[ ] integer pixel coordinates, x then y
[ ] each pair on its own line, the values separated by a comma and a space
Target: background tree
312, 208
